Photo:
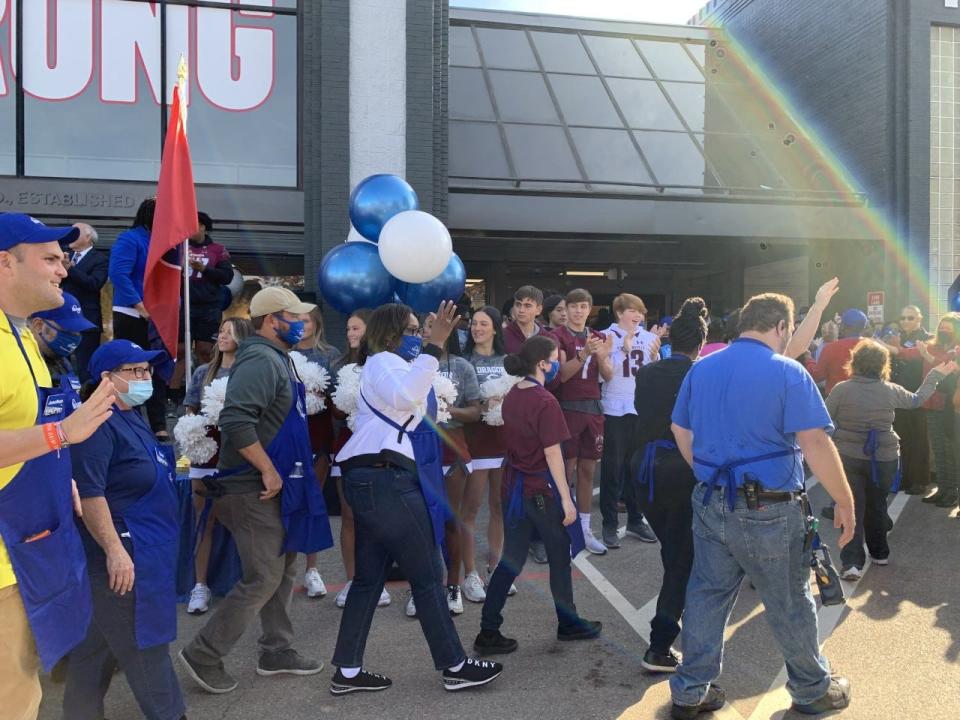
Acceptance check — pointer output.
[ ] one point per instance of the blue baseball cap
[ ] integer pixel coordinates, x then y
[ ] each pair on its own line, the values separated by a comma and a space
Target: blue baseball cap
68, 316
854, 319
115, 353
17, 229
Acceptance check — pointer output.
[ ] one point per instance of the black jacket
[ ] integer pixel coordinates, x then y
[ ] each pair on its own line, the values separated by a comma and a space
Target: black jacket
85, 280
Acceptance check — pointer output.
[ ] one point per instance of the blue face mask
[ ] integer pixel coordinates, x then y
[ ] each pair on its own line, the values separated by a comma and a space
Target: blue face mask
410, 346
63, 342
294, 332
138, 392
550, 374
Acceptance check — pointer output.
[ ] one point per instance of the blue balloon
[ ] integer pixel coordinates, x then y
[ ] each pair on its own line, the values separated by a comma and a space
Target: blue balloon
448, 285
352, 277
377, 199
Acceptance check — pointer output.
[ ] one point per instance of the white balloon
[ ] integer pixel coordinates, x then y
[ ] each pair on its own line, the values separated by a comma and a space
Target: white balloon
415, 247
236, 283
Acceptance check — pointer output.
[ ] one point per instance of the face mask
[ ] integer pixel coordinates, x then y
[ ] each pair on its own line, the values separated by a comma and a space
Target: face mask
63, 343
409, 347
294, 332
550, 374
138, 392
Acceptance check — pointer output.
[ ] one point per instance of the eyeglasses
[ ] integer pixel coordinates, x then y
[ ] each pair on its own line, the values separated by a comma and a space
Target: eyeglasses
138, 372
908, 317
411, 330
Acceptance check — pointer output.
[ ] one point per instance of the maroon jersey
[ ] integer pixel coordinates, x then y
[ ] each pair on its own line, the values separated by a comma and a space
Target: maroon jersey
585, 385
513, 336
532, 421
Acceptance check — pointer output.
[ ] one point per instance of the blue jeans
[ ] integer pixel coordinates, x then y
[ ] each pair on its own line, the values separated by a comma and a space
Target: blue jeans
111, 642
767, 546
391, 521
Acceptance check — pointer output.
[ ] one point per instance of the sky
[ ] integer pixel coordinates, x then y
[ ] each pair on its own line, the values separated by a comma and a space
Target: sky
658, 11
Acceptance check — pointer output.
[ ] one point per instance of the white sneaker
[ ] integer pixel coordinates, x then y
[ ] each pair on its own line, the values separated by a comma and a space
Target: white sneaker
199, 599
851, 573
342, 595
473, 589
593, 545
411, 609
454, 600
314, 583
879, 561
385, 599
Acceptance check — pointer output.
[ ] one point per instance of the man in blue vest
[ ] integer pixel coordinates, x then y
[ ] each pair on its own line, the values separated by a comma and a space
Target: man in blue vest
44, 593
744, 420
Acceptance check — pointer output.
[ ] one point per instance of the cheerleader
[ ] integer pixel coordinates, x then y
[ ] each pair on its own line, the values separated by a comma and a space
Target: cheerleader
232, 331
536, 497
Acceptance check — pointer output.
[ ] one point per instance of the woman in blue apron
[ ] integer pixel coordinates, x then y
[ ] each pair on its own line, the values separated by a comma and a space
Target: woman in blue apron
665, 480
536, 498
862, 409
393, 480
130, 532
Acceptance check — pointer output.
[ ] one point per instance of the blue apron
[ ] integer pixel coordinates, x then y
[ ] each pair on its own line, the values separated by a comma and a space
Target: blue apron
724, 474
870, 449
302, 508
51, 571
646, 474
515, 512
153, 525
428, 456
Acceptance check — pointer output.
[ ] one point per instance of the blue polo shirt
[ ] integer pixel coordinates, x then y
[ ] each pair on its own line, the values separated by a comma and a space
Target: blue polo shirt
745, 402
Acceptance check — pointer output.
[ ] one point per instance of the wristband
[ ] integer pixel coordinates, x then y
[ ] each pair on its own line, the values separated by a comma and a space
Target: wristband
51, 436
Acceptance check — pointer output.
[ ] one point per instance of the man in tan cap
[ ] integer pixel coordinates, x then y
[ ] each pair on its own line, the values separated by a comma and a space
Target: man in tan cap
260, 407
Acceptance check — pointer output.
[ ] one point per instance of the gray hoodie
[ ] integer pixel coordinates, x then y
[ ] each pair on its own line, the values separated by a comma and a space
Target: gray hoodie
258, 399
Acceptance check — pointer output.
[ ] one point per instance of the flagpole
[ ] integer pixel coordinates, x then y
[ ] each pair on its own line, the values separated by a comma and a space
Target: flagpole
187, 339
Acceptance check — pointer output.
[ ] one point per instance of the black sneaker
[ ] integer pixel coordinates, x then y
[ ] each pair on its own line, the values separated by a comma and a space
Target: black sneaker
660, 662
287, 662
539, 553
580, 630
934, 497
948, 498
713, 700
610, 538
473, 674
363, 682
492, 642
642, 531
212, 678
836, 698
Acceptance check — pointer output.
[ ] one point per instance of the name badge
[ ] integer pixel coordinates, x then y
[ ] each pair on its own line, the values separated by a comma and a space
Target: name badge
53, 406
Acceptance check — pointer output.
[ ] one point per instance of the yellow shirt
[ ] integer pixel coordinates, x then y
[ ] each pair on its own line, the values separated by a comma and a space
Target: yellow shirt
18, 406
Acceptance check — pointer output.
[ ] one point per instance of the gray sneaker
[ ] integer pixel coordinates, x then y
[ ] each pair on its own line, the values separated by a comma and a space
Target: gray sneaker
212, 678
836, 698
642, 531
287, 662
610, 538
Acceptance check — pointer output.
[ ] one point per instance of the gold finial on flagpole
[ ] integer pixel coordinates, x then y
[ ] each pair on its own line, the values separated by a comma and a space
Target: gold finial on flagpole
182, 84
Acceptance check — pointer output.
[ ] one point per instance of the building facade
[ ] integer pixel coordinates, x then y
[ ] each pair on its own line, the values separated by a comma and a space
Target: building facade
881, 79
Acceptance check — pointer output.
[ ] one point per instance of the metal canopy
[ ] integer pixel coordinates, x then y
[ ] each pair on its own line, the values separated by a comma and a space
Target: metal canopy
604, 127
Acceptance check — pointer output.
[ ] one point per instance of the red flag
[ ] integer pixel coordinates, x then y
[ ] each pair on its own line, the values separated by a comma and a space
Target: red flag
174, 220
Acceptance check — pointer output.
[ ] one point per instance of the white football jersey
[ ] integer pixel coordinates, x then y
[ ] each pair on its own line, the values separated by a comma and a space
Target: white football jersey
617, 393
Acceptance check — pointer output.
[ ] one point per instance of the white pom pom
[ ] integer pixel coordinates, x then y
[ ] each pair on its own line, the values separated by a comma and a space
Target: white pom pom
347, 393
315, 381
190, 433
493, 391
213, 398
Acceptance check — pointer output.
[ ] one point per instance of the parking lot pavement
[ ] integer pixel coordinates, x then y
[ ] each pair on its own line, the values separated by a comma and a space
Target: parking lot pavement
897, 639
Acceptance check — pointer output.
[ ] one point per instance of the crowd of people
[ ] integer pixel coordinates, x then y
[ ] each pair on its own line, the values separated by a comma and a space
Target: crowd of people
540, 395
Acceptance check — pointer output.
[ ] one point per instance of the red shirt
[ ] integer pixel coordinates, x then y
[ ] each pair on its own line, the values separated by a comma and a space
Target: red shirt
513, 336
585, 385
532, 421
830, 367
